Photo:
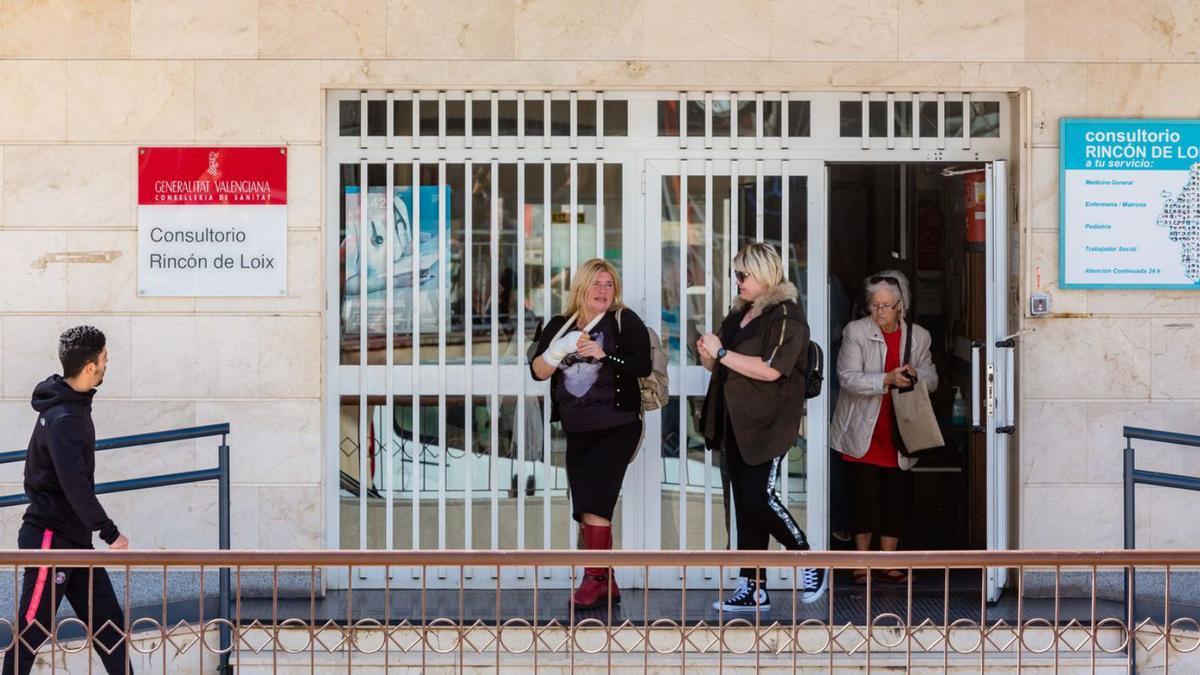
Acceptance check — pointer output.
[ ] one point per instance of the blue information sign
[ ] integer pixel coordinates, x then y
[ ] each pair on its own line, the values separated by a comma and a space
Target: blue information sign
1129, 204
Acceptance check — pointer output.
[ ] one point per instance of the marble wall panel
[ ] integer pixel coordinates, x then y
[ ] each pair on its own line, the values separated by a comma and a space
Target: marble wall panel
1080, 358
30, 283
841, 30
707, 29
322, 28
259, 101
34, 93
290, 517
178, 30
1071, 516
146, 101
453, 29
31, 352
595, 29
945, 30
68, 186
64, 28
271, 442
195, 356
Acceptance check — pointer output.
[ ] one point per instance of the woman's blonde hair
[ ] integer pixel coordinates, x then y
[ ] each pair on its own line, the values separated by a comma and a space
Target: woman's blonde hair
762, 262
584, 277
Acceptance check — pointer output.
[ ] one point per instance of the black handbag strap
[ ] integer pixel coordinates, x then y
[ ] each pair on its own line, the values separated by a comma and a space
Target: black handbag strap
897, 439
907, 355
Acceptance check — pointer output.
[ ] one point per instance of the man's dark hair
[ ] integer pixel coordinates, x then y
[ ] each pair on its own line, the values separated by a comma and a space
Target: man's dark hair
78, 347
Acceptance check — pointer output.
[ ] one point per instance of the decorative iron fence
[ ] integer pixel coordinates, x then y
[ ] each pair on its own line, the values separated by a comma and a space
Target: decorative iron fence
284, 620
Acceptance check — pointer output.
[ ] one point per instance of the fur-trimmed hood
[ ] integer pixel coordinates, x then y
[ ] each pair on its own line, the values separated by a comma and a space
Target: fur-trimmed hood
780, 293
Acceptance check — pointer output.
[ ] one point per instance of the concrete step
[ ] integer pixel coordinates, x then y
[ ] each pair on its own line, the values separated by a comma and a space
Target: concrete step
477, 654
443, 653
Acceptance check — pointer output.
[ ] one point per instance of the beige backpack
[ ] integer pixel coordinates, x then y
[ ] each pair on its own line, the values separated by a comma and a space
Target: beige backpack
653, 387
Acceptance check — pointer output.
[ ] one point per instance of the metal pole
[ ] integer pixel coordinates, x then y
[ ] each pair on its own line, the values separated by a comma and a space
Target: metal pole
223, 517
1128, 477
1130, 543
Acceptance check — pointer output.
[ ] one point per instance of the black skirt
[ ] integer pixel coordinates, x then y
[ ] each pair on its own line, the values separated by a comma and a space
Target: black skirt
880, 499
596, 464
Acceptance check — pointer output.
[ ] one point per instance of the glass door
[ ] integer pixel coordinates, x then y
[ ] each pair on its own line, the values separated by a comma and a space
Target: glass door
698, 213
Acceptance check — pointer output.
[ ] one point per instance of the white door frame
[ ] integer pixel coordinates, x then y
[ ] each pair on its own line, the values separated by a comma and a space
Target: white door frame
999, 369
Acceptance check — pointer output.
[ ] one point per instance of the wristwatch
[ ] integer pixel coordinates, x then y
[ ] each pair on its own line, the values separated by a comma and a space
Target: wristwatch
721, 353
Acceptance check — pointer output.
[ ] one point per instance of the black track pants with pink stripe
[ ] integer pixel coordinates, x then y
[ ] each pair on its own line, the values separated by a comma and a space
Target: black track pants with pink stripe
42, 591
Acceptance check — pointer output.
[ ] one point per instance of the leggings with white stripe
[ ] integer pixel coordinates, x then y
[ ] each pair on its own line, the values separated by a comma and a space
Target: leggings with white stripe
760, 513
42, 591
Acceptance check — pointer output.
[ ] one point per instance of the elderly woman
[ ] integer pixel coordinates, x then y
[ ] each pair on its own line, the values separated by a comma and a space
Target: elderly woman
752, 412
864, 426
593, 354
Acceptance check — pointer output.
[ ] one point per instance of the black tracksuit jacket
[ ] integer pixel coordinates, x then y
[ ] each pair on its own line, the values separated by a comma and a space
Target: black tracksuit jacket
60, 466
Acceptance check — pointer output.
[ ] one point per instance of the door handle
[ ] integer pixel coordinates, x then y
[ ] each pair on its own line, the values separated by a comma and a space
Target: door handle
1009, 343
976, 348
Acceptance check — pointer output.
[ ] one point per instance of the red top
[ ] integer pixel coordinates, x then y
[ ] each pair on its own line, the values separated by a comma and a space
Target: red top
882, 451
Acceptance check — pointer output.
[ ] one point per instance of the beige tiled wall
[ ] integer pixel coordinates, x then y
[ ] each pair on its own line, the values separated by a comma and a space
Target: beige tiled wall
82, 84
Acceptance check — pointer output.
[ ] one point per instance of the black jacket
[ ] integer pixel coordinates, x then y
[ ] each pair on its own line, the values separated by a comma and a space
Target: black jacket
629, 358
60, 466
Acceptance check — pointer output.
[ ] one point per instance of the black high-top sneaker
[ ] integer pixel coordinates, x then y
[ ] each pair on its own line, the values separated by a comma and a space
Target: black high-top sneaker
814, 581
749, 596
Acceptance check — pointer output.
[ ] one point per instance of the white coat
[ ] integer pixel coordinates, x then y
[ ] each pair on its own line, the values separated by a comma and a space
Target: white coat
860, 369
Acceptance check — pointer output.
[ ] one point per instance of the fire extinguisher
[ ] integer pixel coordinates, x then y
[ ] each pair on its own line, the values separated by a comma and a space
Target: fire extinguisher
975, 192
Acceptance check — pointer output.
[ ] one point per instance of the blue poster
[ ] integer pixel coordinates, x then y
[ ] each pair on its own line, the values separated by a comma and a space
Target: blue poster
370, 251
375, 244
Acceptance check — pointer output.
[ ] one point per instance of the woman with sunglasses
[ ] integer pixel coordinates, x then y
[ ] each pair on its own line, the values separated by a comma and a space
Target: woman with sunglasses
593, 354
864, 426
753, 410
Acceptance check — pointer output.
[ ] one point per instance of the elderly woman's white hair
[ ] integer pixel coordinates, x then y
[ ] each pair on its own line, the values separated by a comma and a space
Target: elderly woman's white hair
885, 279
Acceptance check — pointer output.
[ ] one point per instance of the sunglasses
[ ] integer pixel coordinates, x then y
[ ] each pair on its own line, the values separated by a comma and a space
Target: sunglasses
885, 280
740, 276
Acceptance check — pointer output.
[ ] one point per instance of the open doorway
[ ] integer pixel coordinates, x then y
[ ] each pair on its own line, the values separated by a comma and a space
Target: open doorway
928, 221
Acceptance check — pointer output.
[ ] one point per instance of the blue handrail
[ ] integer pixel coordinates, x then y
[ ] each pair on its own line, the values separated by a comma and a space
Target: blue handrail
152, 438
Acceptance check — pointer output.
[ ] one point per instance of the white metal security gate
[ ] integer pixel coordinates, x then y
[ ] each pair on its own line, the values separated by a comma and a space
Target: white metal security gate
480, 205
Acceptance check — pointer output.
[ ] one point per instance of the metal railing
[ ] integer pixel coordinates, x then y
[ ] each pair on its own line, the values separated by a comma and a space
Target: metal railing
219, 473
938, 618
1134, 476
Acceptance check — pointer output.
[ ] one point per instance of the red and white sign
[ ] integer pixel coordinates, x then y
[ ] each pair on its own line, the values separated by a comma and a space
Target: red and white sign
212, 221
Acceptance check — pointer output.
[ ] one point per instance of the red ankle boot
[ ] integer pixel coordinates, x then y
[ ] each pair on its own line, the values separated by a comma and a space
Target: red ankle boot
598, 584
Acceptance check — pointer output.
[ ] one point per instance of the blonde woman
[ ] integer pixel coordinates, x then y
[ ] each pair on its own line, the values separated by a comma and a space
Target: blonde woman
593, 354
752, 413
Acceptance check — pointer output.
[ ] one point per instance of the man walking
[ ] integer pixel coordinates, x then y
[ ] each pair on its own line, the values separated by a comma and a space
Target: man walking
63, 511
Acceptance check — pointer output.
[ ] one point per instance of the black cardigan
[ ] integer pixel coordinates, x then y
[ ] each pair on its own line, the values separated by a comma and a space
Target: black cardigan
629, 358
